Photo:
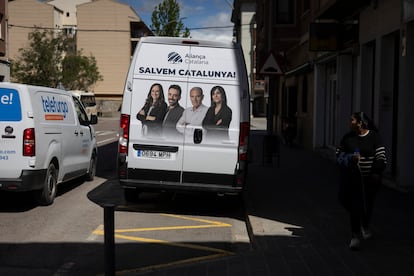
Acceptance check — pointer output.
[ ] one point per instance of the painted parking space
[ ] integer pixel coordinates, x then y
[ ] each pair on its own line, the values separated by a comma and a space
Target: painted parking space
172, 239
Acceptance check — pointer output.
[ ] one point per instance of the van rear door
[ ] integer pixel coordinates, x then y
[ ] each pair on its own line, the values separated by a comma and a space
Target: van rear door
11, 130
202, 154
211, 151
150, 148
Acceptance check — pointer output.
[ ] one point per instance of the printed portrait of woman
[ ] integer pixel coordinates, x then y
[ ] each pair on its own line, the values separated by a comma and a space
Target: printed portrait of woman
218, 117
152, 113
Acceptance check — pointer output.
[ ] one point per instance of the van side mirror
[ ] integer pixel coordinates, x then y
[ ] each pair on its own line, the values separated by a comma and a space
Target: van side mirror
93, 120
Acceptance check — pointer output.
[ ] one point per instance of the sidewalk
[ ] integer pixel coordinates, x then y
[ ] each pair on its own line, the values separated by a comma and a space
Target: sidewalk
298, 227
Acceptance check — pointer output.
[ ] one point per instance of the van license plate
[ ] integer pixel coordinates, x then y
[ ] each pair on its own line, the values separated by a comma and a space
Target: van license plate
154, 154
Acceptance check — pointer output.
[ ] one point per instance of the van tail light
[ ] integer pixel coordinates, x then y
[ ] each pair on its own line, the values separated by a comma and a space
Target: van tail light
29, 142
124, 134
243, 140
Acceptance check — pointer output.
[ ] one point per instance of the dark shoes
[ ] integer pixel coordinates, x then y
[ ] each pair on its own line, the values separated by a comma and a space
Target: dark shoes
355, 243
366, 233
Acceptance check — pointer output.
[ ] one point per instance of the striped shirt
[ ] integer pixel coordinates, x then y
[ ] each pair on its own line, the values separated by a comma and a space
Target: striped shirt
371, 150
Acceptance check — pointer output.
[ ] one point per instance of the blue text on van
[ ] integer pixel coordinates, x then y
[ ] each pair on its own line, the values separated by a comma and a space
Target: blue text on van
50, 105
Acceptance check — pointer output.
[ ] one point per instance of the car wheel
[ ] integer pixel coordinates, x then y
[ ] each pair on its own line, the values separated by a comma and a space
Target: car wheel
47, 195
92, 168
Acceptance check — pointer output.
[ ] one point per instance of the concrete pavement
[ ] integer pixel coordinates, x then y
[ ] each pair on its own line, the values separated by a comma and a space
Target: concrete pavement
297, 226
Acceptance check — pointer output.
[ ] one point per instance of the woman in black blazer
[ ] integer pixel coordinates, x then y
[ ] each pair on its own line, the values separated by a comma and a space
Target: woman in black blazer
152, 113
218, 117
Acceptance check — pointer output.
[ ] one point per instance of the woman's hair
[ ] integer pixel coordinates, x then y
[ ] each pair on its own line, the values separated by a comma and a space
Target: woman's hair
223, 95
161, 99
366, 122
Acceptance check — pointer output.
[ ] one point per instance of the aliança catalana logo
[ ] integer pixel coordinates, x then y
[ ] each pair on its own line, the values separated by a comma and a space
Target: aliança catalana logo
174, 58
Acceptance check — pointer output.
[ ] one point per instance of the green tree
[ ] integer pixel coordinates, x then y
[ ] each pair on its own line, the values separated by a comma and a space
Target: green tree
79, 72
166, 20
51, 60
39, 63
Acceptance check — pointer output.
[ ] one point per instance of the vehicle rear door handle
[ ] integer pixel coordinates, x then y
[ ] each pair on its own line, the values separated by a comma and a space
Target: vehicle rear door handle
198, 136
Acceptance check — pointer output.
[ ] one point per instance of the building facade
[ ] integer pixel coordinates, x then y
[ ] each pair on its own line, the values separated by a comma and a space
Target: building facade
105, 29
22, 21
338, 57
243, 17
366, 71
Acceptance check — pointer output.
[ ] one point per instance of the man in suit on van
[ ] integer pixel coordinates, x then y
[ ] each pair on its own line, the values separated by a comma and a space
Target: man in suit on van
193, 116
174, 111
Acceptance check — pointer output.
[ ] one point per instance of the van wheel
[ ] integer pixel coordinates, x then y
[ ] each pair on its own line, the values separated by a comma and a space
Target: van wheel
131, 195
92, 168
47, 195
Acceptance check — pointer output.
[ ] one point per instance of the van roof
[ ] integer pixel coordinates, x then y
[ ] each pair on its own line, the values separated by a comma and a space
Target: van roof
189, 41
31, 87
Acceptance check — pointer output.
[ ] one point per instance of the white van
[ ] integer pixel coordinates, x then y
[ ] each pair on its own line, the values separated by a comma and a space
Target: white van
87, 98
201, 142
46, 138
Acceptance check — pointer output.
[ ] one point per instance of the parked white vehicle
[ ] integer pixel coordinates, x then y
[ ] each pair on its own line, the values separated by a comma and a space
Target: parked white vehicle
185, 117
46, 139
88, 100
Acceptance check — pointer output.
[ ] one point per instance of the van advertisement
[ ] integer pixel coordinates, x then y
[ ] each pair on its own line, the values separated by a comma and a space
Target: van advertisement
54, 107
10, 109
185, 107
199, 113
187, 73
204, 64
188, 93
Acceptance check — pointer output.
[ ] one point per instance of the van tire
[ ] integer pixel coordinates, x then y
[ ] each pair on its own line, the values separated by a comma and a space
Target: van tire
47, 195
92, 168
131, 195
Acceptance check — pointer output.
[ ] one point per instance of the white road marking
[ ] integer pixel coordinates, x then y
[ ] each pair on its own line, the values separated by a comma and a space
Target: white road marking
64, 269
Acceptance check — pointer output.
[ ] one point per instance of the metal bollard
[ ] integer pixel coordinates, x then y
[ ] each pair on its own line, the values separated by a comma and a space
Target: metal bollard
109, 237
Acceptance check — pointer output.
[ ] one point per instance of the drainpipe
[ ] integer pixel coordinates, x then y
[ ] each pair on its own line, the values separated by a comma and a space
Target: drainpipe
270, 79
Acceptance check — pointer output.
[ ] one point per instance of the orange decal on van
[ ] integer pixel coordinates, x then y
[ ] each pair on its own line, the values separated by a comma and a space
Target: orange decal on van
54, 117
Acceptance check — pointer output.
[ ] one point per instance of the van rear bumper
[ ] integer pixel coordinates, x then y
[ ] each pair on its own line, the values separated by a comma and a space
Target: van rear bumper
159, 180
146, 185
29, 180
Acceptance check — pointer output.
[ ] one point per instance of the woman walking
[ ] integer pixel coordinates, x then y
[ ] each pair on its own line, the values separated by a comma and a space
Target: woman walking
361, 156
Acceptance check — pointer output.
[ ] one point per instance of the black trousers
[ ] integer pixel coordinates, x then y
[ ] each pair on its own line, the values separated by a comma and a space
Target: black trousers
357, 195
